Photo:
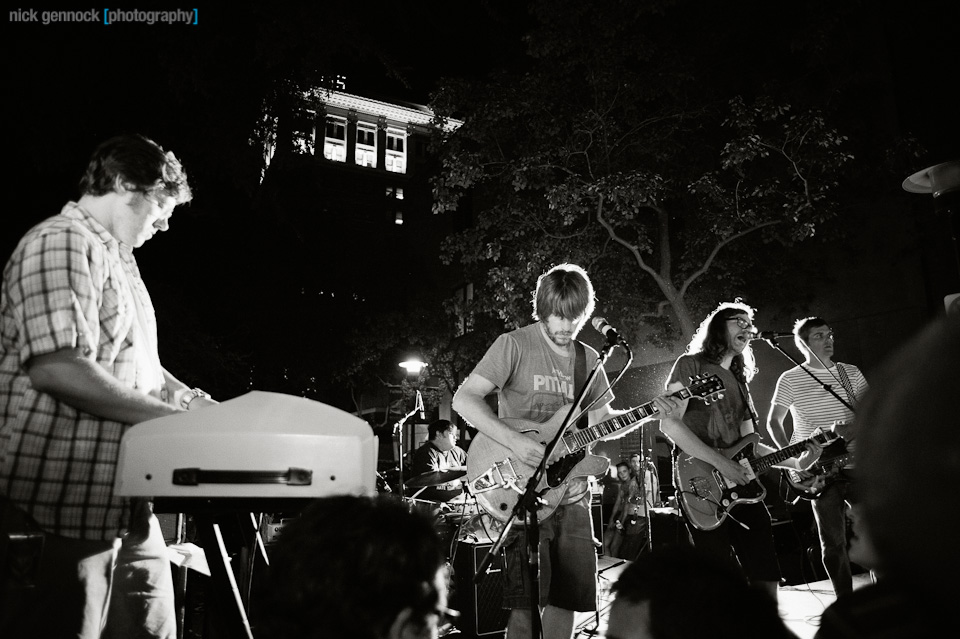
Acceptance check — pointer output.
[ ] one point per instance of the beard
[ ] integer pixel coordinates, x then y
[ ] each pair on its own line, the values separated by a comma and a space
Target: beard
561, 338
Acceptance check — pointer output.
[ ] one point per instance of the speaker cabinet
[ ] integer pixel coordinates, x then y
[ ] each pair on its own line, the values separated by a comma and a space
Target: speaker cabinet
480, 604
669, 530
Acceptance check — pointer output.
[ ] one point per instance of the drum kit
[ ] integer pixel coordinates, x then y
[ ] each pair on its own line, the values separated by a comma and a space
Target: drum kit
457, 518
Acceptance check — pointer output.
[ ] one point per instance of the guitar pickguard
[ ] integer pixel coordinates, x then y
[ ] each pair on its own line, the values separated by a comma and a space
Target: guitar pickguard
558, 471
706, 496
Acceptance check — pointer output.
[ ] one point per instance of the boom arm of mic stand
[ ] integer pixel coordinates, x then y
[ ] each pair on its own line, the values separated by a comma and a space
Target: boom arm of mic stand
398, 430
827, 387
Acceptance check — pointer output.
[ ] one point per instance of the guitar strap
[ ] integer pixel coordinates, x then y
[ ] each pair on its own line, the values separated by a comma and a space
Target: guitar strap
847, 386
748, 400
580, 378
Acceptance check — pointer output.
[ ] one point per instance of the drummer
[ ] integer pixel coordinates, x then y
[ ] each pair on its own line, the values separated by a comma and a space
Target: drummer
440, 454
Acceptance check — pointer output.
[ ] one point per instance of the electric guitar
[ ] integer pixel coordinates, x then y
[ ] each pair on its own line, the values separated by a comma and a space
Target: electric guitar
824, 472
497, 479
706, 496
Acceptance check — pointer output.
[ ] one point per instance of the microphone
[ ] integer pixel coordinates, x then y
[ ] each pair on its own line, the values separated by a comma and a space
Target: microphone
603, 326
771, 335
419, 407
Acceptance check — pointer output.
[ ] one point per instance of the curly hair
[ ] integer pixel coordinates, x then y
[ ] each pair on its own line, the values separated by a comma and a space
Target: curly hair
710, 340
347, 566
140, 164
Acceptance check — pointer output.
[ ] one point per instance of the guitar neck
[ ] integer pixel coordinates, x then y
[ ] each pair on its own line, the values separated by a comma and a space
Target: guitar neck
761, 464
582, 438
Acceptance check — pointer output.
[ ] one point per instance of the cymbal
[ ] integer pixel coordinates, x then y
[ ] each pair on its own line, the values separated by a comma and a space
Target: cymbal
434, 479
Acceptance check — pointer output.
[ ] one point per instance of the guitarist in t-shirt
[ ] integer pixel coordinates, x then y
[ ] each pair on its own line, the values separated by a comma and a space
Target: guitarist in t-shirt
533, 371
802, 391
702, 432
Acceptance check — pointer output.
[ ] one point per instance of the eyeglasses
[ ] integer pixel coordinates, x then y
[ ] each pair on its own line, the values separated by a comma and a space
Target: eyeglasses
742, 323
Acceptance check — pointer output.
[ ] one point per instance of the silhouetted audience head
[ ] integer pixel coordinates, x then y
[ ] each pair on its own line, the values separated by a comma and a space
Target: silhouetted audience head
909, 459
682, 593
360, 567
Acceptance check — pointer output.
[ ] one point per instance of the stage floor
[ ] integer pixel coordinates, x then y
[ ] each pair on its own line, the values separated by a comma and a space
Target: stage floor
800, 605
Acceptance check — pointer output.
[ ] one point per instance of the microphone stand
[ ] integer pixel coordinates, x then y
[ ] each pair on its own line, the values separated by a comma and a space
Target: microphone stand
529, 502
398, 430
772, 341
646, 466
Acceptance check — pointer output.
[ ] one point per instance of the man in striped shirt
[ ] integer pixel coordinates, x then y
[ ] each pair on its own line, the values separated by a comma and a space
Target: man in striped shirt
78, 365
803, 392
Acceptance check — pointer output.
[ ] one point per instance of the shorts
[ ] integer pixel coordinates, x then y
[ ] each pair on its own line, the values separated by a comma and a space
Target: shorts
568, 562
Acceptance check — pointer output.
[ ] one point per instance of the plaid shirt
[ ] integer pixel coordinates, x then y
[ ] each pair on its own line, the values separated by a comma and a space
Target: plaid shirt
70, 284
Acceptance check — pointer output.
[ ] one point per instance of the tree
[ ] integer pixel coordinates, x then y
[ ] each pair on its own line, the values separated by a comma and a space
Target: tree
631, 148
376, 342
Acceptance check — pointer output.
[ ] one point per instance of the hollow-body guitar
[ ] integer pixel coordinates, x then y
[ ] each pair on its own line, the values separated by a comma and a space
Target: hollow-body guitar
497, 478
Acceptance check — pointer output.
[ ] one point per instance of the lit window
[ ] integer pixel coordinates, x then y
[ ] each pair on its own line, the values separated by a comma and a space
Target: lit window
395, 192
398, 219
335, 139
366, 145
396, 153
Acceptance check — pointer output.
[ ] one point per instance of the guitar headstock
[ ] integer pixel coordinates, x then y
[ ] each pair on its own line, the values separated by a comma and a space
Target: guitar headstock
708, 388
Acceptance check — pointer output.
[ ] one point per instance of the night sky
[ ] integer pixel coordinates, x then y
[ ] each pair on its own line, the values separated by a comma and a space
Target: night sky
196, 90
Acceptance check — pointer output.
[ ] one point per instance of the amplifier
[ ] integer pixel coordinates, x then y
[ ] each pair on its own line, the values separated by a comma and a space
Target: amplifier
480, 604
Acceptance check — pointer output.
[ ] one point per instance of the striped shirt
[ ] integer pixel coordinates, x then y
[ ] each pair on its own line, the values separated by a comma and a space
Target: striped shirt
70, 284
811, 405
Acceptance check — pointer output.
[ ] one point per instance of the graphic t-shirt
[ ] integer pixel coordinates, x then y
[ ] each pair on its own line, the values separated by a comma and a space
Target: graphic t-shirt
533, 380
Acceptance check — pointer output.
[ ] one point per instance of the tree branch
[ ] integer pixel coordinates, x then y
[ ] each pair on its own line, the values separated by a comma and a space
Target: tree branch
716, 249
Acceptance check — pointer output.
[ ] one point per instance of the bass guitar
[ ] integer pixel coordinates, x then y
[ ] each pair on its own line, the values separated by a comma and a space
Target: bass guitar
707, 497
823, 473
497, 479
